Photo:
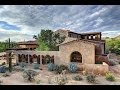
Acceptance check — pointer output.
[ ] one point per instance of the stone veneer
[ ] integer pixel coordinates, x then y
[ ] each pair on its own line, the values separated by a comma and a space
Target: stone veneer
86, 49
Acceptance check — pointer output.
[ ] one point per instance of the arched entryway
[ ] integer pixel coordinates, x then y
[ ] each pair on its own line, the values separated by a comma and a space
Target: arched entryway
76, 57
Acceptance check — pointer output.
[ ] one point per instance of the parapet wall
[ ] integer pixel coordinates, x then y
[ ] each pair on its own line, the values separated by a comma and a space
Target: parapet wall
96, 68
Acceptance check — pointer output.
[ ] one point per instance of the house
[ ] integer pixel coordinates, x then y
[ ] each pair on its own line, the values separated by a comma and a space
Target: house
29, 45
84, 49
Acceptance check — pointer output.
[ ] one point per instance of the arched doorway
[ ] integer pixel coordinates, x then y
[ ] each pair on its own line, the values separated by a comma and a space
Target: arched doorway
76, 57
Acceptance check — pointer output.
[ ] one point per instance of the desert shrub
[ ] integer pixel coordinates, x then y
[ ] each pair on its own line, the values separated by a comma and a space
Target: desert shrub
91, 78
23, 64
112, 62
29, 75
3, 63
77, 78
110, 77
18, 69
84, 73
3, 69
36, 65
6, 74
51, 67
59, 69
1, 82
61, 79
73, 67
37, 79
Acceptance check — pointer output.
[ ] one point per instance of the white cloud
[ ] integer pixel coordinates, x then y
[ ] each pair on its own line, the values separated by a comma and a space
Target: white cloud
31, 19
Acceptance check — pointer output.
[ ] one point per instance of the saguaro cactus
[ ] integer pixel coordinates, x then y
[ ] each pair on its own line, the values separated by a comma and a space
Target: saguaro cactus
10, 62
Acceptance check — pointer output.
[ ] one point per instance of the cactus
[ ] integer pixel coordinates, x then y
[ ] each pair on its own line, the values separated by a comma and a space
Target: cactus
36, 65
29, 75
73, 68
23, 64
3, 69
51, 67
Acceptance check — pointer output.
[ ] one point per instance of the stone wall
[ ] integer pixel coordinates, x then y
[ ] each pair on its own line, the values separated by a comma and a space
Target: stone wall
87, 51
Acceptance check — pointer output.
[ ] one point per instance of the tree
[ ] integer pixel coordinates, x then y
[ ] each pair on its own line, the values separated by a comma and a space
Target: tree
47, 40
113, 45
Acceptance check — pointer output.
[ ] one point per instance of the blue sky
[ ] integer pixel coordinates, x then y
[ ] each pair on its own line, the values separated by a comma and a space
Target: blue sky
21, 22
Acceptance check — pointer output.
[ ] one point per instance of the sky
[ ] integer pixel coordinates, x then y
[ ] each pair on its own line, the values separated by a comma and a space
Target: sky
21, 22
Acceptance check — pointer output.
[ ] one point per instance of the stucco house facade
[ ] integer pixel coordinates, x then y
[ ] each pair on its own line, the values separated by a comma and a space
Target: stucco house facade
84, 49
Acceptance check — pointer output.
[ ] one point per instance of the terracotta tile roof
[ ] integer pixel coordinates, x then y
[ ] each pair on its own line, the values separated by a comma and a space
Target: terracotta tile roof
83, 40
27, 42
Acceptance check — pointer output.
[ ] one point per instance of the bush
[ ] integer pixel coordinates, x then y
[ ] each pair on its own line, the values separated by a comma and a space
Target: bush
91, 78
59, 69
3, 69
51, 67
6, 74
29, 75
36, 65
61, 80
73, 68
23, 64
18, 69
109, 76
112, 62
77, 78
1, 82
3, 63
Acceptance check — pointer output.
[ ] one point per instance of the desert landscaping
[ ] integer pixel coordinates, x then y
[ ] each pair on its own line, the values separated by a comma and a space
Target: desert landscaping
47, 77
59, 45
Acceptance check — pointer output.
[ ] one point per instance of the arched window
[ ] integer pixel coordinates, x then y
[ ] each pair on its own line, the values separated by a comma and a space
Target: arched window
76, 57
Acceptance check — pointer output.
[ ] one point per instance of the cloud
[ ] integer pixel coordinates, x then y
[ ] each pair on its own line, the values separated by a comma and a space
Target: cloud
27, 20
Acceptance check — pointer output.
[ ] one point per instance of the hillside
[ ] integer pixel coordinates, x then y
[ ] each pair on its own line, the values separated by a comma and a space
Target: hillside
117, 37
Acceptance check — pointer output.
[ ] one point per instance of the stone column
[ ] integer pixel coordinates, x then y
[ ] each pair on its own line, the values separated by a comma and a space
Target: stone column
28, 59
16, 58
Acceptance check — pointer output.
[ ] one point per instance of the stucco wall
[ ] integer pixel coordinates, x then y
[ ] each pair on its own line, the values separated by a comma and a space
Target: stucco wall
27, 46
87, 51
96, 68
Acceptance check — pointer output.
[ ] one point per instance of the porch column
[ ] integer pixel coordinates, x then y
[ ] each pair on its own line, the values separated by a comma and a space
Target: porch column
16, 58
28, 59
41, 61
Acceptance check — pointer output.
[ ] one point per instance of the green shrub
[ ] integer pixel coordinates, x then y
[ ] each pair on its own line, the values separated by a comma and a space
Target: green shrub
29, 75
51, 67
91, 78
109, 76
73, 68
77, 78
59, 69
36, 65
